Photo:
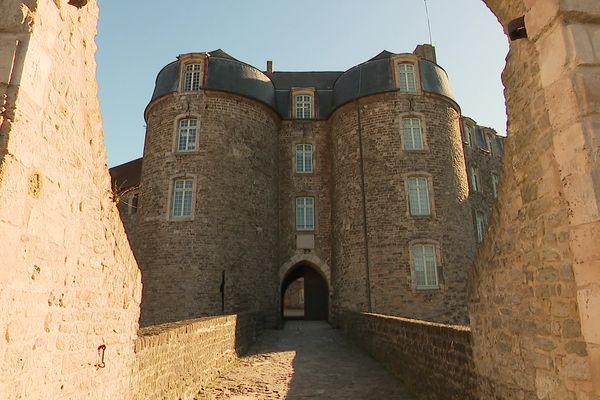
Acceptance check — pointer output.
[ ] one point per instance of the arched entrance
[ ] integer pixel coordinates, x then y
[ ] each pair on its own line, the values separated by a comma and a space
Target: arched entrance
304, 294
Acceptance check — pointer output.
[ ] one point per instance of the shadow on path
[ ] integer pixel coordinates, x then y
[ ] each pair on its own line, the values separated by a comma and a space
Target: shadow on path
306, 359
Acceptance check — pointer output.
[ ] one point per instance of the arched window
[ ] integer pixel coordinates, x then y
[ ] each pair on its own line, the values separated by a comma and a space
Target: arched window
424, 263
407, 77
187, 134
303, 106
481, 226
413, 134
193, 73
418, 196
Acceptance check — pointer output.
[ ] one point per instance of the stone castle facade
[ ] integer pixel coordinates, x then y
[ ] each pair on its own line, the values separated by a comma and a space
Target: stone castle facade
369, 184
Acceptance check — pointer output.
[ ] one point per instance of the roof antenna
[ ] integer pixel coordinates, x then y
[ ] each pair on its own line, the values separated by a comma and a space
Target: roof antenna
428, 23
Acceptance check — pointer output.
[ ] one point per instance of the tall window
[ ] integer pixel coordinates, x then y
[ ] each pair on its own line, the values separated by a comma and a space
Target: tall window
495, 181
133, 207
468, 135
418, 196
406, 76
304, 158
192, 77
413, 134
490, 144
425, 267
186, 138
480, 221
304, 106
305, 213
182, 198
475, 180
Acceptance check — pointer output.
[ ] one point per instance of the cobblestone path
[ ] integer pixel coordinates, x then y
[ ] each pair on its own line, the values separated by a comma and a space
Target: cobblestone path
305, 360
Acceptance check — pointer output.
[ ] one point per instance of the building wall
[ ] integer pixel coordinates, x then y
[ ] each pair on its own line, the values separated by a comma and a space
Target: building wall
68, 280
535, 282
234, 225
292, 185
390, 228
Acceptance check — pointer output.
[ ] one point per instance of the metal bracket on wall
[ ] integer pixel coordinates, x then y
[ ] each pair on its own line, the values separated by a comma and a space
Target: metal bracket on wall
517, 29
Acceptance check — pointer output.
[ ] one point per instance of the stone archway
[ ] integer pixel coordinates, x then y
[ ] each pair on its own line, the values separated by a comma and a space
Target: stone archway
317, 290
535, 284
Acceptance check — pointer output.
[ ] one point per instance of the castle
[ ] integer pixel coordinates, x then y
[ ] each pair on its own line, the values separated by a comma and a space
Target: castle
367, 186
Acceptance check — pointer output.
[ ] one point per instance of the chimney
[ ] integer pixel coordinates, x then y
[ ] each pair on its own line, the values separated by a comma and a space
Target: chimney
269, 67
426, 51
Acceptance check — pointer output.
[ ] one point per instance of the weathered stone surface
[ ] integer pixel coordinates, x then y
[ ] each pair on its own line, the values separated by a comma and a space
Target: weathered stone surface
68, 280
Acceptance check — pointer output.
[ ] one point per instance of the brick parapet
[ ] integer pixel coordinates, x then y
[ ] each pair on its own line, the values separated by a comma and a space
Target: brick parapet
174, 360
434, 360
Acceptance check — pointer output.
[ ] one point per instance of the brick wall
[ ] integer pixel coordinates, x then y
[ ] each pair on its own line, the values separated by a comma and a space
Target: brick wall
434, 360
535, 283
174, 360
68, 280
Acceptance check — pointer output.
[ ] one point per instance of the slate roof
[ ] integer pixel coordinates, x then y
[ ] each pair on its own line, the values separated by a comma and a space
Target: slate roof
126, 175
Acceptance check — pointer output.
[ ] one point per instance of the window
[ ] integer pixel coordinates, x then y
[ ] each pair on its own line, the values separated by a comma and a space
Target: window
490, 144
480, 139
304, 106
495, 181
305, 213
480, 221
304, 158
192, 77
182, 198
425, 266
186, 137
133, 207
418, 196
406, 78
413, 135
475, 181
468, 135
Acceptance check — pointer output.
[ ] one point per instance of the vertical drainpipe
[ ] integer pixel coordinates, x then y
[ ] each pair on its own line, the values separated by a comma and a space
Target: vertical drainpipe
364, 198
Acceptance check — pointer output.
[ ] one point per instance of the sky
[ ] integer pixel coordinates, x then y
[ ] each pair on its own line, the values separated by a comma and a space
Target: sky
138, 37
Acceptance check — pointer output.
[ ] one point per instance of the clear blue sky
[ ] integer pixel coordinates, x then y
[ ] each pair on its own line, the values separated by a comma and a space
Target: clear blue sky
137, 38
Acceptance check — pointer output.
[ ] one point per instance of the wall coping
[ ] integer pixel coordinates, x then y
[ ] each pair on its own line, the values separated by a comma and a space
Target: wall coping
461, 328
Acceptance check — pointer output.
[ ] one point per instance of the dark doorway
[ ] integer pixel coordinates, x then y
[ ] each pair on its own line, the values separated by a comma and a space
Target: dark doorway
304, 294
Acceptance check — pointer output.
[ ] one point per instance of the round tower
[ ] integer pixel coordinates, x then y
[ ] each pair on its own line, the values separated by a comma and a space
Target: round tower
402, 226
207, 225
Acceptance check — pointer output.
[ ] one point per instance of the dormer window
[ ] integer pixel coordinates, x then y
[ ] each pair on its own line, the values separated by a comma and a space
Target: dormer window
193, 73
303, 106
407, 78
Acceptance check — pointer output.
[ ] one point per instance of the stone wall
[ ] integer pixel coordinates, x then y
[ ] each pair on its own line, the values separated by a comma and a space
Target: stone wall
433, 360
68, 280
390, 228
233, 227
536, 282
174, 360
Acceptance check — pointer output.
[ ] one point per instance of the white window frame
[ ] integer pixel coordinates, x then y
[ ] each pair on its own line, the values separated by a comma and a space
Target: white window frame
184, 132
303, 158
412, 134
192, 77
185, 186
480, 226
419, 196
475, 179
424, 262
305, 221
407, 77
495, 182
303, 105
